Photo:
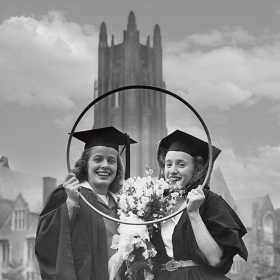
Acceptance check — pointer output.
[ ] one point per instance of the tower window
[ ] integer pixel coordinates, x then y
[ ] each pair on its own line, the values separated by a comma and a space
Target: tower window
117, 100
95, 89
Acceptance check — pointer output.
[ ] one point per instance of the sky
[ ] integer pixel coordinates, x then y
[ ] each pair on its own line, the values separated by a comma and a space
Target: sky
221, 56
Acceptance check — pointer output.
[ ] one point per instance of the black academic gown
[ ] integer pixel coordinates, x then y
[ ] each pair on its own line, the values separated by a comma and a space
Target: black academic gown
225, 227
74, 249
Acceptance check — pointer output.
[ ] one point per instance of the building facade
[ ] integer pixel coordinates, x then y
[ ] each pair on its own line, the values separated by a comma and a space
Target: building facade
262, 240
138, 112
22, 199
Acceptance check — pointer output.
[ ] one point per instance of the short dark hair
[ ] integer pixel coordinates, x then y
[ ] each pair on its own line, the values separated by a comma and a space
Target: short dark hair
81, 170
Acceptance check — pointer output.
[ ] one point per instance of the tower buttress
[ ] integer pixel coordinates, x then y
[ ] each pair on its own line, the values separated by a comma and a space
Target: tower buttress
131, 26
157, 36
148, 41
103, 36
102, 77
157, 50
112, 41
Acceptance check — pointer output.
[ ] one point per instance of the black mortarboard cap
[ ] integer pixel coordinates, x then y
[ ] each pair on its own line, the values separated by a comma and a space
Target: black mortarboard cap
108, 137
184, 142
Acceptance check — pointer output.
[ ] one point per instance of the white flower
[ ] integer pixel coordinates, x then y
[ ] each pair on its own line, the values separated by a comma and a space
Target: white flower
153, 252
139, 198
174, 195
145, 200
149, 192
130, 201
123, 204
161, 181
140, 213
145, 254
148, 170
159, 191
115, 241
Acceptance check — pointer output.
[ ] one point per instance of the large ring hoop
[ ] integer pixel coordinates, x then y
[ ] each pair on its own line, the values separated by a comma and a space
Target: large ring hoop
210, 153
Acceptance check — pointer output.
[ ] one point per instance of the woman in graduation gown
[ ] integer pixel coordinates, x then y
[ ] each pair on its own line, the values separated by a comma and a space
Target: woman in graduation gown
200, 242
73, 242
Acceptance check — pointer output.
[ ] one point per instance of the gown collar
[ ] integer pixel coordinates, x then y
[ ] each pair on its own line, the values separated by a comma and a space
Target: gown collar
86, 185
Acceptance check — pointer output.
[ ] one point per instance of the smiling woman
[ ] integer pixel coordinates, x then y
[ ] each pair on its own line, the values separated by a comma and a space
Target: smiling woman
72, 239
179, 166
201, 241
102, 168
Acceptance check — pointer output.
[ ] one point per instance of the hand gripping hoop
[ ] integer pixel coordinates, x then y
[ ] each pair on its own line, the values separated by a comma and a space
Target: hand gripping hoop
210, 153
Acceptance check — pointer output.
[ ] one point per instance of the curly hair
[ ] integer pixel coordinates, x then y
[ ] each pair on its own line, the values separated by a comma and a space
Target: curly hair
81, 170
199, 171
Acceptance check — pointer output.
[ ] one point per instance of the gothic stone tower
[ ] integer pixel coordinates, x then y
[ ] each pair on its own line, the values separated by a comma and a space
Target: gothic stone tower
140, 113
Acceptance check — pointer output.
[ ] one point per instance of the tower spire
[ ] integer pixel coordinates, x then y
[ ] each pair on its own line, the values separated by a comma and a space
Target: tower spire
157, 36
103, 35
131, 21
131, 34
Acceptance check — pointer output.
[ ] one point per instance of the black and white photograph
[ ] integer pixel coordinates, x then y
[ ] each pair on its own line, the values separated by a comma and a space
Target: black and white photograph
139, 139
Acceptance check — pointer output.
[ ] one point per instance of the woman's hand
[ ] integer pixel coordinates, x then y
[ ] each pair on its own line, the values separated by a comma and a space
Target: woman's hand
72, 186
211, 250
194, 199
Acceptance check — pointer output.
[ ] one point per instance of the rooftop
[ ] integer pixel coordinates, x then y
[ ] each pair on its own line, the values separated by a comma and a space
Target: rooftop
12, 183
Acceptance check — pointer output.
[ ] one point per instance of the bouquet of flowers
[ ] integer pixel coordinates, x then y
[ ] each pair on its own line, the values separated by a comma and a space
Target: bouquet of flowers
141, 199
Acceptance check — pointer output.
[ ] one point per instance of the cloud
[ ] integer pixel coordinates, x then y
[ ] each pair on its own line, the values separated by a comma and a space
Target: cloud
275, 110
221, 95
54, 62
253, 175
66, 122
235, 68
268, 162
227, 36
48, 62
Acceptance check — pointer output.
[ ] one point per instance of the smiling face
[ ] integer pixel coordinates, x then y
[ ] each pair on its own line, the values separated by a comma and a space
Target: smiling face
102, 168
179, 166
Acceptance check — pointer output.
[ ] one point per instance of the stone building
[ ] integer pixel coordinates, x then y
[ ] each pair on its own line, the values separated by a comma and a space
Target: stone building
219, 186
140, 113
22, 198
262, 240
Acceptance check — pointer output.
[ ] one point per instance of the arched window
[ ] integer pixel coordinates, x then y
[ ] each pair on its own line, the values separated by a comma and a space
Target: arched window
268, 233
237, 265
268, 228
